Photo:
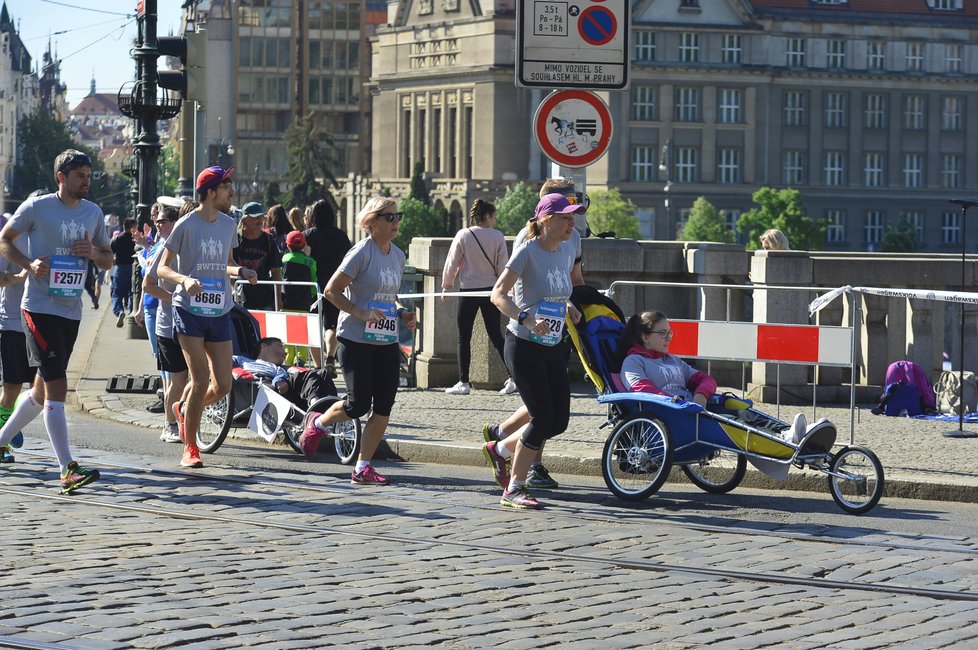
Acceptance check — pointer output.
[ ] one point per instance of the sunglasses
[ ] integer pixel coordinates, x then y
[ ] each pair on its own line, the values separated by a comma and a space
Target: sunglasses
663, 333
78, 159
391, 217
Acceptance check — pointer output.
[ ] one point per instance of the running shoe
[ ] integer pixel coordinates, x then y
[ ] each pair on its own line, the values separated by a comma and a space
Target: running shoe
497, 463
171, 432
539, 479
75, 477
120, 319
181, 429
489, 432
519, 498
311, 434
5, 455
509, 387
191, 457
156, 407
17, 441
330, 367
369, 476
461, 388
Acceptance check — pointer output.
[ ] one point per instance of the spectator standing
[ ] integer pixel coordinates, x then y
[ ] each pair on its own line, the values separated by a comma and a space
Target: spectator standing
63, 231
328, 245
256, 250
279, 227
123, 248
299, 267
476, 258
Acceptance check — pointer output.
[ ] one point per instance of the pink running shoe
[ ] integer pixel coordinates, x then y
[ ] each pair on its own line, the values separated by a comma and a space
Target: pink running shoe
311, 434
497, 463
369, 476
519, 498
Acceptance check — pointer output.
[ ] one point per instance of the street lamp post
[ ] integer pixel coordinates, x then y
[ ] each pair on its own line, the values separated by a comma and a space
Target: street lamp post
964, 204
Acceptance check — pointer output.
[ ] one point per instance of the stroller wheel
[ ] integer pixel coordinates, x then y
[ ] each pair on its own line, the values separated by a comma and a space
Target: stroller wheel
637, 458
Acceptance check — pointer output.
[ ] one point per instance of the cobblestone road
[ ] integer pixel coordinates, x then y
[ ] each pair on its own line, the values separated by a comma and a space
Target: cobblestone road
289, 560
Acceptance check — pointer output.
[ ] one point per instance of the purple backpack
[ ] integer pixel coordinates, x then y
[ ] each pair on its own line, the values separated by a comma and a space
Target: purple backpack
908, 372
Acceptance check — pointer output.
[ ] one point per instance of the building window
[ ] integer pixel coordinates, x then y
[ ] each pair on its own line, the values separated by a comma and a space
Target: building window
732, 48
914, 219
730, 103
645, 46
728, 166
952, 57
730, 219
794, 108
913, 112
835, 110
947, 5
951, 172
951, 114
689, 47
873, 169
913, 170
643, 164
915, 57
875, 112
794, 168
686, 165
874, 226
876, 55
834, 167
687, 104
951, 228
835, 233
643, 103
796, 52
835, 53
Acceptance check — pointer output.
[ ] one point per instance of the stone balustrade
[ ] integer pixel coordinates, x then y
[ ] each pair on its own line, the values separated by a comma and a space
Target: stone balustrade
889, 328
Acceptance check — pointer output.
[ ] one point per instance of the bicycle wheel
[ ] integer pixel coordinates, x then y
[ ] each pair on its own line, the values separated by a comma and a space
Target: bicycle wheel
346, 439
718, 473
856, 479
215, 422
637, 458
293, 430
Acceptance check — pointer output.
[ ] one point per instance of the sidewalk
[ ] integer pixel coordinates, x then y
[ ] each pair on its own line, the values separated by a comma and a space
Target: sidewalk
430, 426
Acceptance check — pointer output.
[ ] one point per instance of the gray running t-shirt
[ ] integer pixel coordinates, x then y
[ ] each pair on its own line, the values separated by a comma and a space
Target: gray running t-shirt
543, 287
202, 253
12, 295
164, 311
376, 281
51, 228
575, 241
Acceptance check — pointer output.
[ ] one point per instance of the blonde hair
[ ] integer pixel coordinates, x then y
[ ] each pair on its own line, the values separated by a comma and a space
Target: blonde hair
774, 240
295, 218
374, 206
556, 186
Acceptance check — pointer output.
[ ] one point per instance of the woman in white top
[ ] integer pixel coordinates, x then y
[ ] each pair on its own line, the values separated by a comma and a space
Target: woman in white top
477, 257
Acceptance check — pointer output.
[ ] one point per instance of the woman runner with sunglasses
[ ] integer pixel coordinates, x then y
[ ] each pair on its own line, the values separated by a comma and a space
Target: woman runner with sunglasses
364, 288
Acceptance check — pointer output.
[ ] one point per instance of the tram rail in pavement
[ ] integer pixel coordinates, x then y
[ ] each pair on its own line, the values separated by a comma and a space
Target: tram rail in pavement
429, 426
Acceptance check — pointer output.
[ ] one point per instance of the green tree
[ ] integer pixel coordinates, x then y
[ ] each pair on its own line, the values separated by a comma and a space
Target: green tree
273, 194
40, 139
515, 208
610, 212
170, 170
901, 237
312, 157
419, 189
113, 194
706, 224
781, 209
419, 220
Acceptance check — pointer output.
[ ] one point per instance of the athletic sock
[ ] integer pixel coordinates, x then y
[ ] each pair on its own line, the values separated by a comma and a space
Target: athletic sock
57, 426
503, 450
362, 465
24, 413
514, 483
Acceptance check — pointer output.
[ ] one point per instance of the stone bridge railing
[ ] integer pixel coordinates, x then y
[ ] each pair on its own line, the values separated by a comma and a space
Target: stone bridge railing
889, 329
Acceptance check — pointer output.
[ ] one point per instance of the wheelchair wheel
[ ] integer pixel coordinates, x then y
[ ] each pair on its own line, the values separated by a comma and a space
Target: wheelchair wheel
718, 473
215, 422
637, 458
856, 479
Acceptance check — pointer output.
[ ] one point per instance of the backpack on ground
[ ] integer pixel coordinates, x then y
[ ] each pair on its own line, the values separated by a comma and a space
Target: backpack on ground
950, 395
911, 373
899, 399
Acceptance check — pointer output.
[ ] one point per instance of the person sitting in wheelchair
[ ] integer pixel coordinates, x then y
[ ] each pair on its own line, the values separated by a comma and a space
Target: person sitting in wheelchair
300, 386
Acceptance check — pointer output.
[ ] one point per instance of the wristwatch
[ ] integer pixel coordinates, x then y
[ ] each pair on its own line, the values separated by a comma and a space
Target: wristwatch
522, 317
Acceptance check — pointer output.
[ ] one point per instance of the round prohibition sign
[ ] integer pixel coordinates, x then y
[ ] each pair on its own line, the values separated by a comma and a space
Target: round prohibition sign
573, 127
597, 25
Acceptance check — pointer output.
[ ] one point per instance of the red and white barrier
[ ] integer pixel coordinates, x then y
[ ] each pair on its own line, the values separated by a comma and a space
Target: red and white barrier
732, 341
293, 328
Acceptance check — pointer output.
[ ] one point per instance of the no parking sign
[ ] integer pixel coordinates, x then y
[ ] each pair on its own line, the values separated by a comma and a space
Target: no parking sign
573, 127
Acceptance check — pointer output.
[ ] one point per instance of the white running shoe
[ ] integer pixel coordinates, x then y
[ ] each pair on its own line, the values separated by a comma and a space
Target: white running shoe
171, 433
509, 387
798, 429
461, 388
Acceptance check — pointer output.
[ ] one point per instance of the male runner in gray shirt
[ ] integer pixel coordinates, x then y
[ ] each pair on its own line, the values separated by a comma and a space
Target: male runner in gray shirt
63, 232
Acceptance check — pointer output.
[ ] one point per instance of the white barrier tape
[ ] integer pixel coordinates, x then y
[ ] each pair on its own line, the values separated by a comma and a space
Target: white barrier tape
920, 294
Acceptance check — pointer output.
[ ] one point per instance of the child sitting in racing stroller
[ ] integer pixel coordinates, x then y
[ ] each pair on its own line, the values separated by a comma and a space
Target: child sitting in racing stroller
647, 366
301, 387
